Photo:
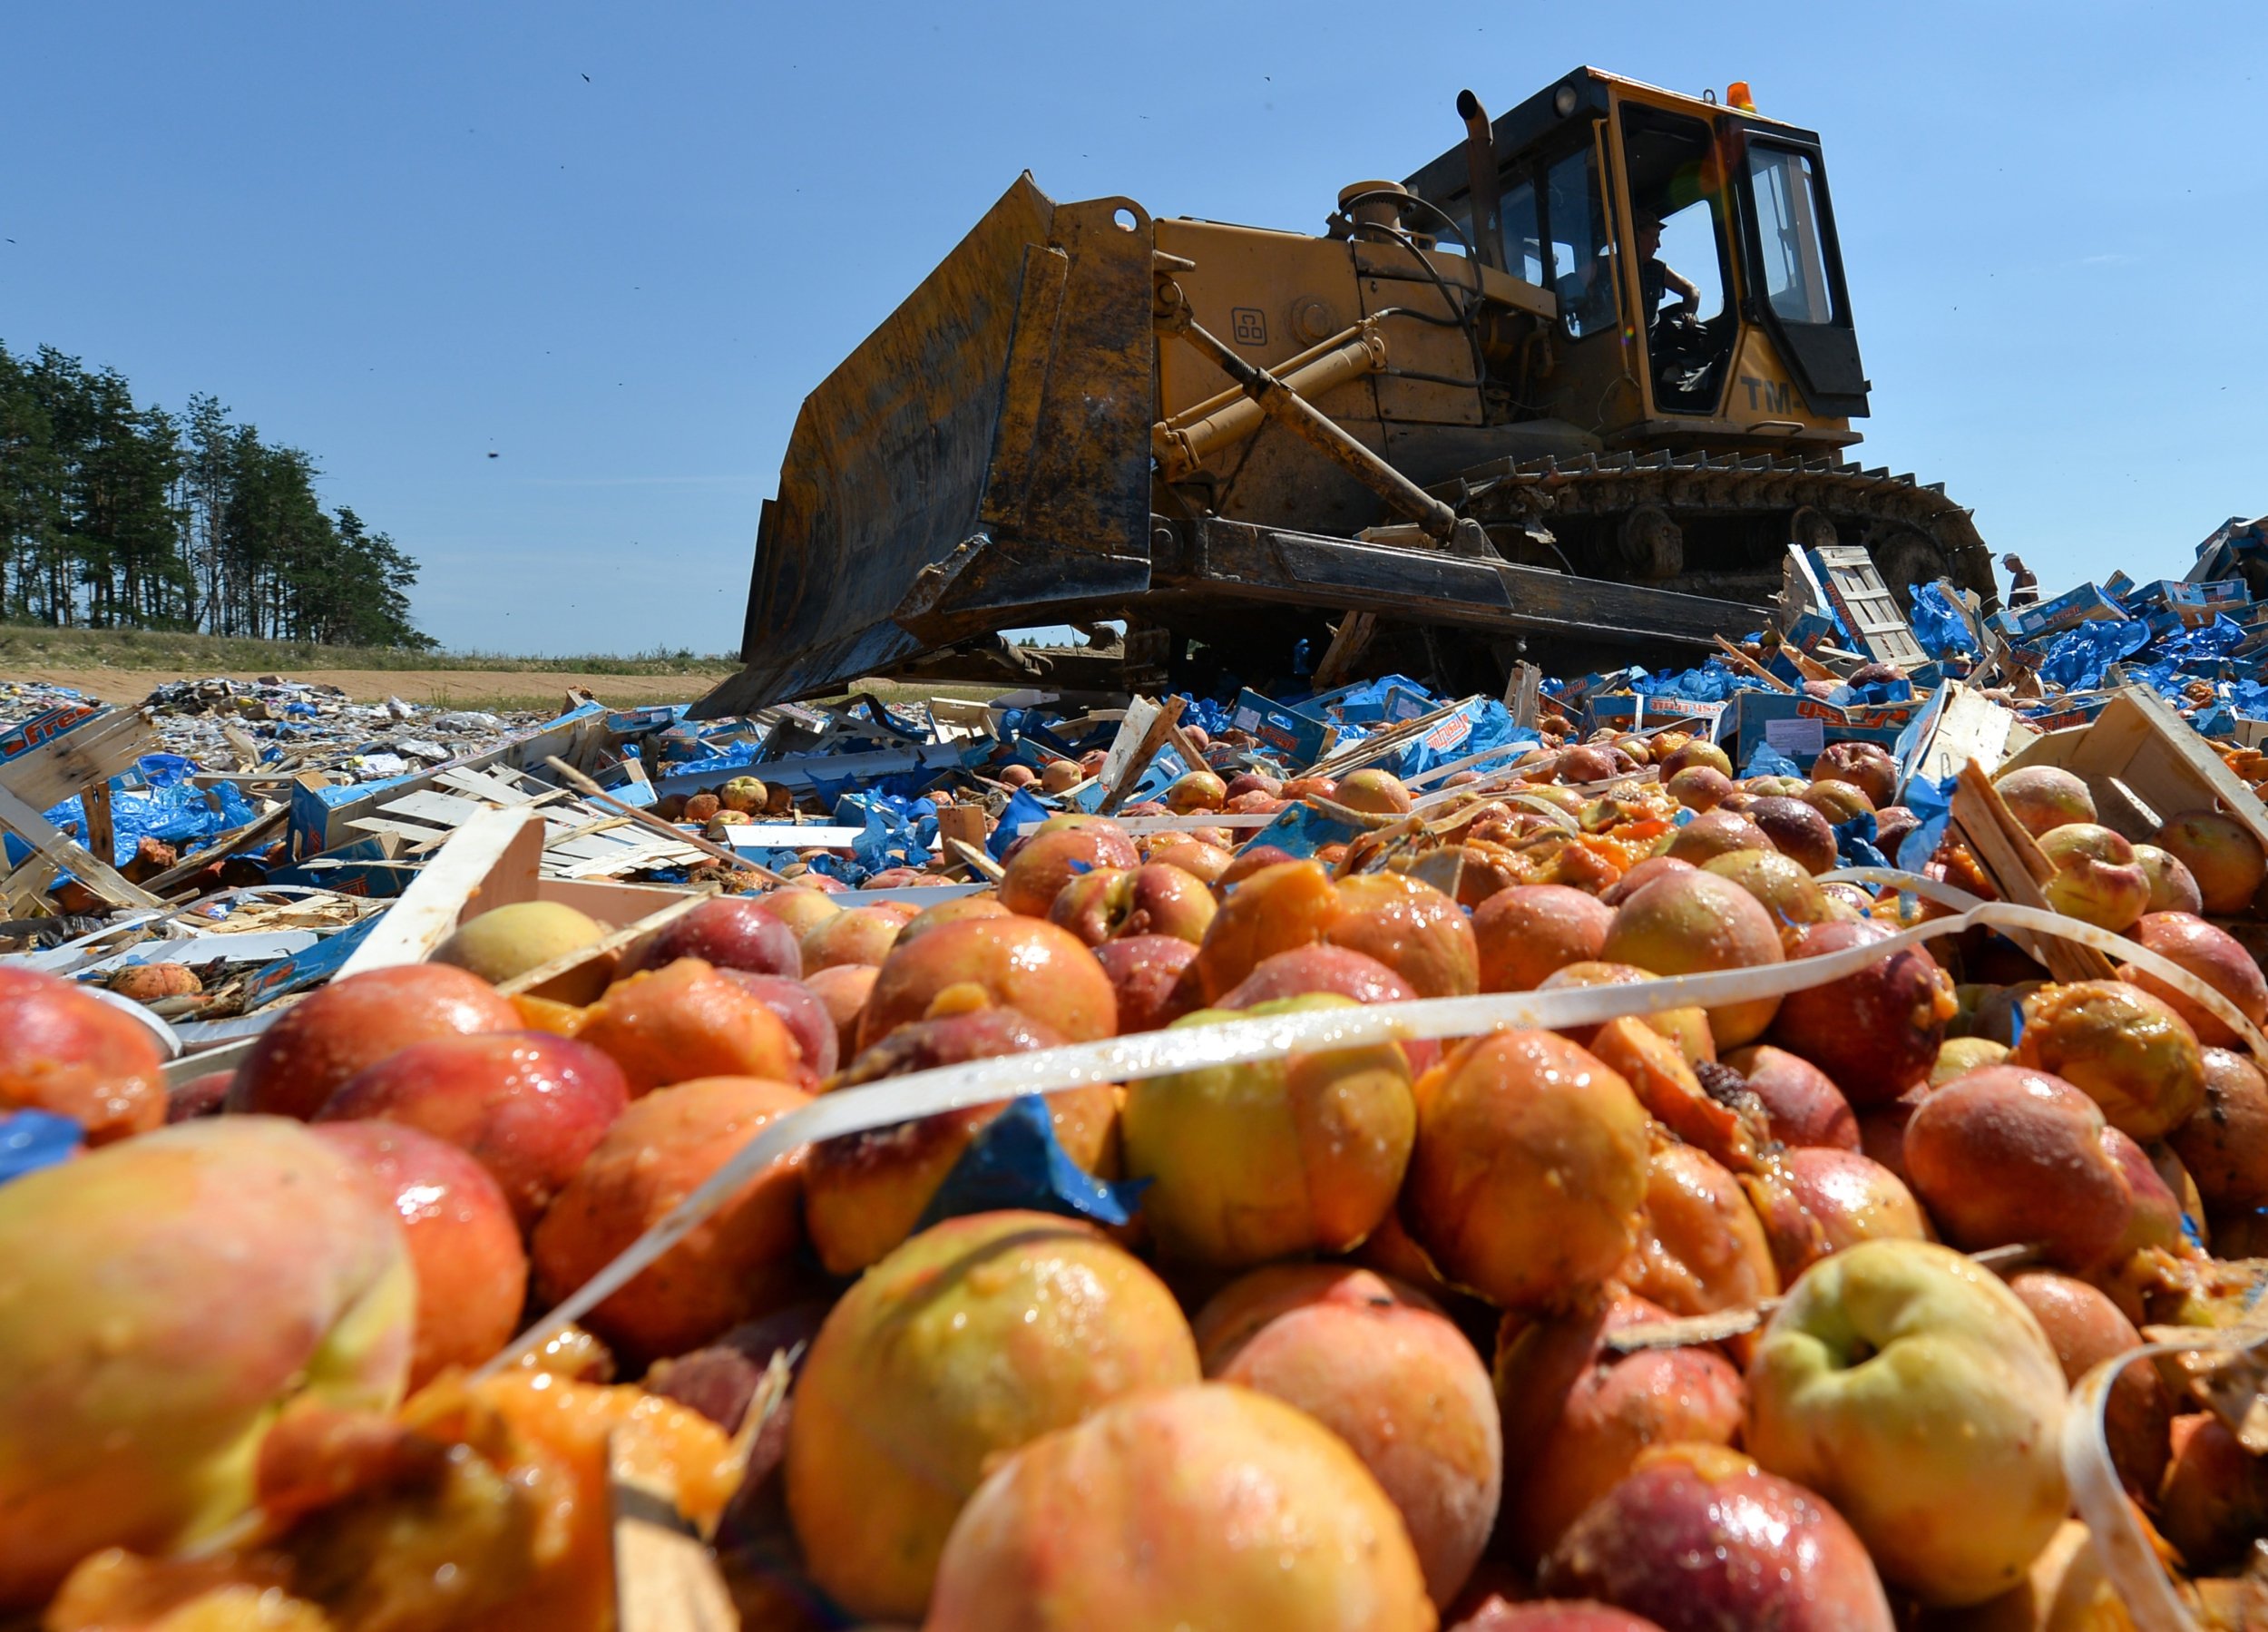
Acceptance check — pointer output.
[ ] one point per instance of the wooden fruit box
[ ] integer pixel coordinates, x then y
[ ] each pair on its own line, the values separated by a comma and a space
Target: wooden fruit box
2144, 763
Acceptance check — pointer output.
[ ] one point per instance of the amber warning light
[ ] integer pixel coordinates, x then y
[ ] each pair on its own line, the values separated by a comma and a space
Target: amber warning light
1737, 95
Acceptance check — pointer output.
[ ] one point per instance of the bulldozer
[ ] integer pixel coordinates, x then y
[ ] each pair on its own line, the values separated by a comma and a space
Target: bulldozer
1567, 393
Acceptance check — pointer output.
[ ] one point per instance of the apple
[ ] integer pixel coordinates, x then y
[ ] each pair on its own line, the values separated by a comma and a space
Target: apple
730, 931
1018, 775
1374, 791
1497, 1614
1698, 1538
2096, 879
737, 1264
133, 1415
1300, 1153
1145, 972
1527, 1178
1377, 1364
1578, 1416
1527, 932
2215, 957
2213, 1504
1693, 922
527, 1105
1060, 775
1875, 1033
1015, 963
864, 1193
1802, 1104
2222, 858
1588, 763
746, 794
1041, 862
1915, 1390
687, 1019
2128, 1050
979, 1335
317, 1043
464, 1248
66, 1052
2042, 797
201, 1096
1241, 1510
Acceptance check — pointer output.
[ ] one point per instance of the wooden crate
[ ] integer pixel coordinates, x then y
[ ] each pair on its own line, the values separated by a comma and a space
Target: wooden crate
2144, 763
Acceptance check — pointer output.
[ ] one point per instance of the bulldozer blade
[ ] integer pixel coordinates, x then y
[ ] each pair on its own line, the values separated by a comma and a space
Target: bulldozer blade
982, 455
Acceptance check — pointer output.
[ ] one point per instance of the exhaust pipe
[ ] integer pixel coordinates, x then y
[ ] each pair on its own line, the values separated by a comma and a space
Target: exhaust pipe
1488, 229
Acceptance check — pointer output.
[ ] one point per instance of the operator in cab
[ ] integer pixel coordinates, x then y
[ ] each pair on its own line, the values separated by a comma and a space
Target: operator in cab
1657, 280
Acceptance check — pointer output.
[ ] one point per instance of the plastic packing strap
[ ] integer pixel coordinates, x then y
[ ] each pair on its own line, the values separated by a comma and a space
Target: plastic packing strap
1146, 1054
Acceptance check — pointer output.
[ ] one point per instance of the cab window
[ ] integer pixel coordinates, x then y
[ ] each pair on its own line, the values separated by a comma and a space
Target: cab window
1582, 251
1788, 231
1523, 241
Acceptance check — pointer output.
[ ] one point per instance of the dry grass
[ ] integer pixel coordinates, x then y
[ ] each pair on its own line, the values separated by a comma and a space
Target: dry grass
23, 648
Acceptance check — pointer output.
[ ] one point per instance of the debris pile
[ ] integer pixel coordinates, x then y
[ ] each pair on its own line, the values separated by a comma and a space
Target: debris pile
895, 1160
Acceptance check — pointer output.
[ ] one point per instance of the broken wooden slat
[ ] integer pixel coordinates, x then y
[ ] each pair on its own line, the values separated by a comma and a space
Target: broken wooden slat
591, 790
71, 857
2011, 858
94, 750
494, 856
534, 981
1348, 642
1140, 743
257, 831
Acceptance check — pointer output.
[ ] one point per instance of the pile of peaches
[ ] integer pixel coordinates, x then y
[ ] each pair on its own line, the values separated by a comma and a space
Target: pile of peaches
1760, 1315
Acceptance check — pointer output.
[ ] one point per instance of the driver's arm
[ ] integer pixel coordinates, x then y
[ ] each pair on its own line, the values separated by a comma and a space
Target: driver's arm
1688, 292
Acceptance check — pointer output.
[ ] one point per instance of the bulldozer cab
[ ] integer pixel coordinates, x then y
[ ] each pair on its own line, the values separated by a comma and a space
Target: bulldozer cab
1692, 250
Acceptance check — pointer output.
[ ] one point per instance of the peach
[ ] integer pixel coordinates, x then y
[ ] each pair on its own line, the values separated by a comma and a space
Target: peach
2225, 1146
1153, 899
2096, 879
1350, 974
1688, 1028
77, 1056
1019, 775
1865, 766
2085, 1328
1498, 1614
1802, 1102
701, 807
201, 1096
979, 1335
1797, 831
1693, 923
687, 1019
1780, 884
1639, 876
1815, 1201
1697, 751
730, 931
1527, 1180
1198, 790
842, 991
1145, 972
2172, 887
1406, 924
2213, 1504
1838, 802
1958, 1056
527, 1105
737, 1264
1210, 1506
1374, 791
1043, 862
1530, 930
1701, 1246
1300, 1153
132, 1416
1698, 1538
817, 1048
1202, 861
511, 940
1590, 763
1015, 963
1375, 1362
2222, 858
2011, 1155
857, 935
1255, 782
1578, 1415
310, 1051
2128, 1050
464, 1248
2045, 796
984, 905
801, 909
1715, 832
1875, 1033
864, 1193
2215, 957
1700, 786
1722, 1119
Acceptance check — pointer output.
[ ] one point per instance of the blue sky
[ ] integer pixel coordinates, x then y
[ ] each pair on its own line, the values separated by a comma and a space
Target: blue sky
401, 237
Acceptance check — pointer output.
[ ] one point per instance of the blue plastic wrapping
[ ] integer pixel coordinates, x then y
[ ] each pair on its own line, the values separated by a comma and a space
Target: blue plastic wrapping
1485, 725
2081, 655
1022, 807
33, 1139
1933, 802
1937, 623
1016, 1162
169, 808
1854, 843
1768, 761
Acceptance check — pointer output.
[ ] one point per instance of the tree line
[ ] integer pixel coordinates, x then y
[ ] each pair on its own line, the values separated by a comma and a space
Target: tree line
115, 514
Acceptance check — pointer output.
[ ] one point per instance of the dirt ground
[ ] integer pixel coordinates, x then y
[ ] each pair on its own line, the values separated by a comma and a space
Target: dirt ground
457, 688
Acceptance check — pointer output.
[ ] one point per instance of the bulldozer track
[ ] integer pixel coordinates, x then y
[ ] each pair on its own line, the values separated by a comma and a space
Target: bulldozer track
1698, 486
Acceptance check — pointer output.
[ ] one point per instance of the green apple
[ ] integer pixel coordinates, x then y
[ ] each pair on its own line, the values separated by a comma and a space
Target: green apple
162, 1302
1915, 1392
